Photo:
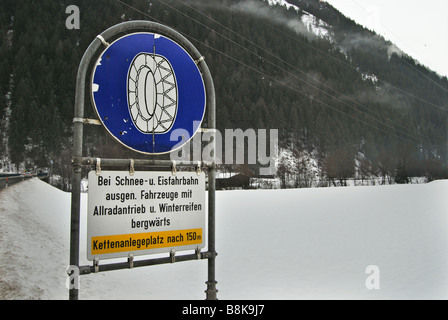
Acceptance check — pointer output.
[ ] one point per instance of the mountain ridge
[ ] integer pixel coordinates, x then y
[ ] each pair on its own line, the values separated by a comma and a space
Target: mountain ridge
345, 94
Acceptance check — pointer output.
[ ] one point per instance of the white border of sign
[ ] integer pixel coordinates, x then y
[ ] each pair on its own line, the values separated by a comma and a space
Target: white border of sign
148, 212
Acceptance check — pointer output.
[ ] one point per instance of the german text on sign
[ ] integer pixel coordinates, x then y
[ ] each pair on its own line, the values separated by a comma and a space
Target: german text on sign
148, 212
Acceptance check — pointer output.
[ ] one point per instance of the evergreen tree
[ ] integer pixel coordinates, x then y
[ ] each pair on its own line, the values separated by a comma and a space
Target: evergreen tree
328, 111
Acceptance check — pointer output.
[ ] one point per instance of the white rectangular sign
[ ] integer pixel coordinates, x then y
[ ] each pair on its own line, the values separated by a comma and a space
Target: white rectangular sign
148, 212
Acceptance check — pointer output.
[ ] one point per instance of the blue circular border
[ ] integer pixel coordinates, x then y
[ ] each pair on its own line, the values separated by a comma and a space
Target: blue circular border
109, 92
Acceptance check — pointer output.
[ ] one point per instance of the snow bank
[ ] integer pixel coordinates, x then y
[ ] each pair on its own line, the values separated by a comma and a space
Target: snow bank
317, 243
34, 224
272, 244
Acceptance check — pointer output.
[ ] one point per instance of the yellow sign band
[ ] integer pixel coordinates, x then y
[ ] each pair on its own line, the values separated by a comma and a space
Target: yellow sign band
145, 241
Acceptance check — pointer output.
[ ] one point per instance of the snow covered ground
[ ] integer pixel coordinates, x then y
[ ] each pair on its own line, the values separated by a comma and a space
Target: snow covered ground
272, 244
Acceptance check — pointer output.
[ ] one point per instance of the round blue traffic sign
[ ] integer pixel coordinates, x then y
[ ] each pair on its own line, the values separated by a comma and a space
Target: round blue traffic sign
145, 86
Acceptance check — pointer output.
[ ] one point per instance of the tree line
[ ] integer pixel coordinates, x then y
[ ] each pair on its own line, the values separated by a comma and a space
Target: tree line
266, 76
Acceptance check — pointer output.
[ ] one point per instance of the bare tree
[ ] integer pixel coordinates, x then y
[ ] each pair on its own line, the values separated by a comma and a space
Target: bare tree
339, 165
386, 166
365, 169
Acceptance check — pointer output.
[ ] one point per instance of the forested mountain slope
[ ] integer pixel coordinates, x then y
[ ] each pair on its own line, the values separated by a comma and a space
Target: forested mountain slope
334, 90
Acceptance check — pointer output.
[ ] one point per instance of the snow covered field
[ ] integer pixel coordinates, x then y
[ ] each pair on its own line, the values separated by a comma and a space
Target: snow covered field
272, 244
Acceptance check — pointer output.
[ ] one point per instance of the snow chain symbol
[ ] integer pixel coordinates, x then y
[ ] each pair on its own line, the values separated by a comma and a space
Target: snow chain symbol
152, 93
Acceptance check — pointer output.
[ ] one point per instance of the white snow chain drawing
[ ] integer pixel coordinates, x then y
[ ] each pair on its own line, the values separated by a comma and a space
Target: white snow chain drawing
152, 93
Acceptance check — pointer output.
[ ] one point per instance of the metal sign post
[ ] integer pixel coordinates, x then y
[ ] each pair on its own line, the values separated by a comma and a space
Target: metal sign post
147, 81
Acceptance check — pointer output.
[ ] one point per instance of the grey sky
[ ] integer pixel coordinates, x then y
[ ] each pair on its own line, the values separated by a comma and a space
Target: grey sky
419, 28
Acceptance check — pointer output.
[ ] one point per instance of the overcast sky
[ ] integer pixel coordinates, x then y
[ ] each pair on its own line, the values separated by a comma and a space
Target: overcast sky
419, 28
